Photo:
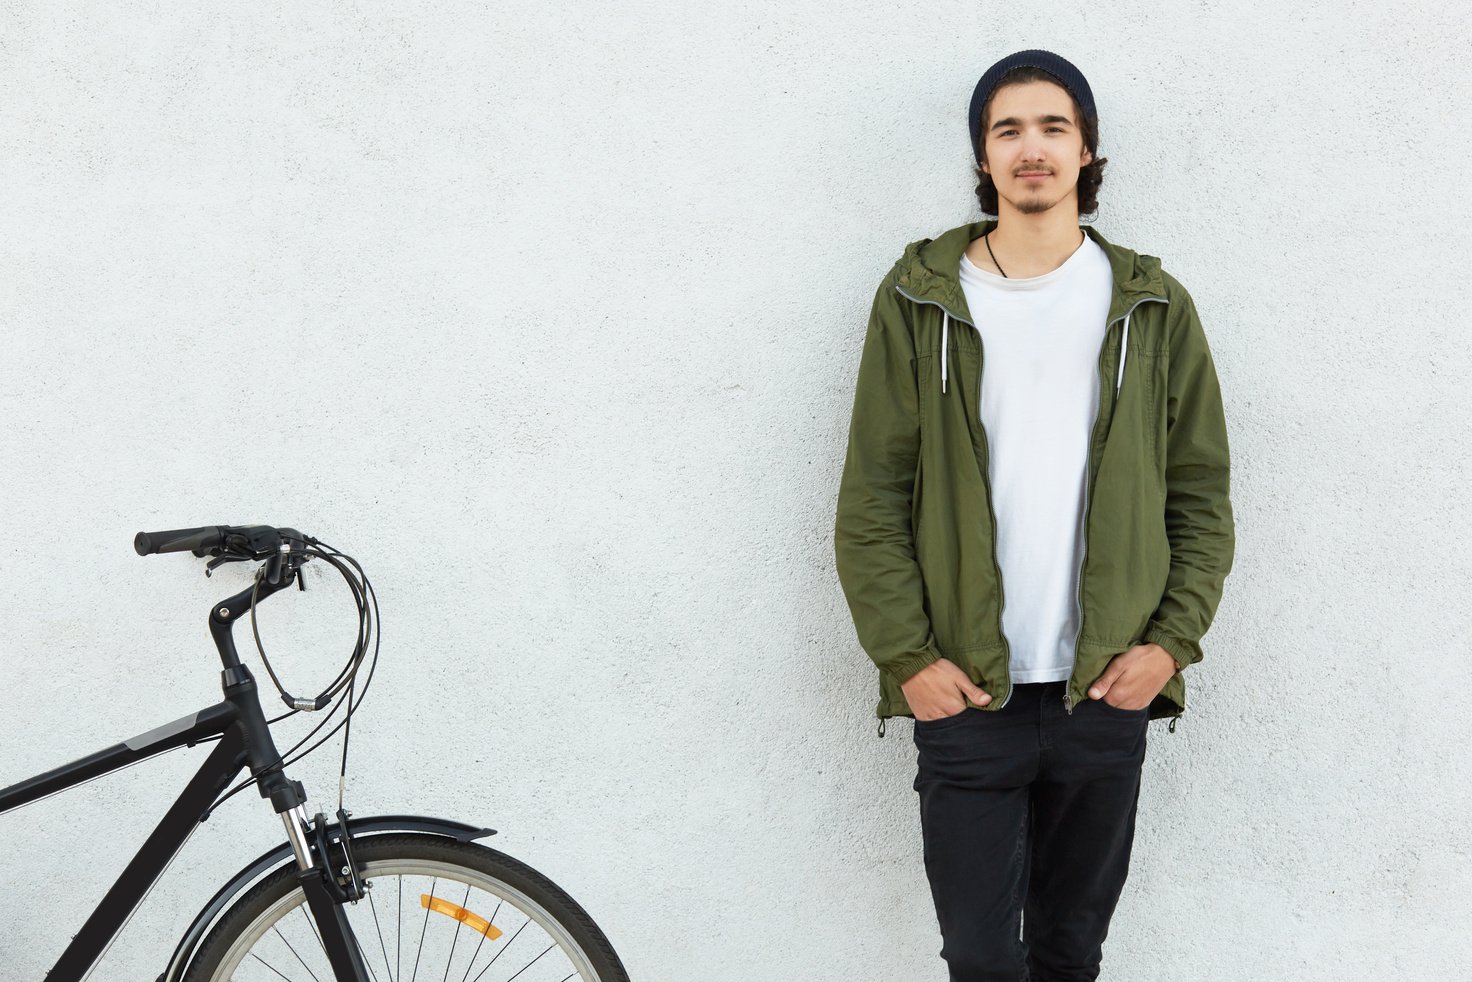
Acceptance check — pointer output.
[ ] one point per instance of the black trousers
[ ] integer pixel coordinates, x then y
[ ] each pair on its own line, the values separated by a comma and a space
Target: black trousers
1028, 815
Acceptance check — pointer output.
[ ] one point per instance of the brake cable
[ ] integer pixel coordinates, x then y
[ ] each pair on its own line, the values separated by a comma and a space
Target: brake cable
366, 601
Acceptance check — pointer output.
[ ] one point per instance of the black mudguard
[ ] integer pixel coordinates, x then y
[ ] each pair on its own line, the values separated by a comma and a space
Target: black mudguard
283, 854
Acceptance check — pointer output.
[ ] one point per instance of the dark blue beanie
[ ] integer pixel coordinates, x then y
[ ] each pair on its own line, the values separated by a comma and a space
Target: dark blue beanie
1055, 65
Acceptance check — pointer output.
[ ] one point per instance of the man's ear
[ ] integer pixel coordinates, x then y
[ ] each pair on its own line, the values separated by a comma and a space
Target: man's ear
1088, 159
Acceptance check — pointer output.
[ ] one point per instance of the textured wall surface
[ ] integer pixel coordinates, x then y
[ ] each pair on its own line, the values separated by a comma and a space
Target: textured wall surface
550, 315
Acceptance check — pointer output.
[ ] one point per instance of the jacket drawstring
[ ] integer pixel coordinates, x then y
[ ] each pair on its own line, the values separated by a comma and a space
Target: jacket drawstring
1123, 347
945, 330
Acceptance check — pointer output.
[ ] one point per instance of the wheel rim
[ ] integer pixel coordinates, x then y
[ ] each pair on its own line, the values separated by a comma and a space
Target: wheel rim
403, 941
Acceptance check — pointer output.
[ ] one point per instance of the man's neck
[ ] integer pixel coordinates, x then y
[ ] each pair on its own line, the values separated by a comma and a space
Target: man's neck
1028, 245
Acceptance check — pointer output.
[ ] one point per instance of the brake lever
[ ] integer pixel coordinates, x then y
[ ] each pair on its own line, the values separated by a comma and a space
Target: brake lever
222, 559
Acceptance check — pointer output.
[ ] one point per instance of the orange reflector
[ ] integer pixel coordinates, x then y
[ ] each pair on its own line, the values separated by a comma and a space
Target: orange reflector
470, 920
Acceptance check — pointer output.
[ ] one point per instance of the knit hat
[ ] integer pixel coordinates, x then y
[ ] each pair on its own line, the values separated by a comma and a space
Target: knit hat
1057, 66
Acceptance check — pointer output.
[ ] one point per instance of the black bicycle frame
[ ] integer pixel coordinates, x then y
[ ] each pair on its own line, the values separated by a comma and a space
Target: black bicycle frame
244, 741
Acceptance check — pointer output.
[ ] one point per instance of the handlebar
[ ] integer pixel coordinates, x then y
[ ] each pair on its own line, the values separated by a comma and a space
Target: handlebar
284, 551
234, 541
198, 541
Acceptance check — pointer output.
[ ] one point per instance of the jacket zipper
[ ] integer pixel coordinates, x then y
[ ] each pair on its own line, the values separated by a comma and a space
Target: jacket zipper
1088, 469
986, 482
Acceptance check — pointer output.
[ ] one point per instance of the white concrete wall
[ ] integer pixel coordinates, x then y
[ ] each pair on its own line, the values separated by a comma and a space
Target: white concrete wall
550, 315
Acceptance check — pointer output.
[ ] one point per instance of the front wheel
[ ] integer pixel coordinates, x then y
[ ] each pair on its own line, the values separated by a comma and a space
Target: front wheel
435, 908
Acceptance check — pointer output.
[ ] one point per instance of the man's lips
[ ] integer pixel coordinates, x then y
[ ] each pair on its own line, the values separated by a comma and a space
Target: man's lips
1033, 177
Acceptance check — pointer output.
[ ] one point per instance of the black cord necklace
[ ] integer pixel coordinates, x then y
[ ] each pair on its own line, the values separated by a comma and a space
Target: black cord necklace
986, 238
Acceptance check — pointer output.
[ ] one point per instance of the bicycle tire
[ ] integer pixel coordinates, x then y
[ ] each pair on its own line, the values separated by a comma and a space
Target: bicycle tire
486, 882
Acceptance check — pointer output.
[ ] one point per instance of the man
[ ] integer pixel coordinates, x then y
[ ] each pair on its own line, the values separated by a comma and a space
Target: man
1088, 475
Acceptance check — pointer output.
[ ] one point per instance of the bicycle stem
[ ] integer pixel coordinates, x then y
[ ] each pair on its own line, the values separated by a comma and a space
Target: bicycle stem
241, 692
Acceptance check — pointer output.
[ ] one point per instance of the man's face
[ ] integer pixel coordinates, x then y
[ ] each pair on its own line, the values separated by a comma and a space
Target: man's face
1031, 128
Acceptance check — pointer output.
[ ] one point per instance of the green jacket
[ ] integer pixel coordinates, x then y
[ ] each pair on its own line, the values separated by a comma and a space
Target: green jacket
915, 531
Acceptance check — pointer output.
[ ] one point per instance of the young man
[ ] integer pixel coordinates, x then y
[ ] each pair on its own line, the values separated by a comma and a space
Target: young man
1032, 560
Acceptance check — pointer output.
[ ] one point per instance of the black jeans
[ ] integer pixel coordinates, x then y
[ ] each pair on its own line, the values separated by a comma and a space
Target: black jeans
1028, 809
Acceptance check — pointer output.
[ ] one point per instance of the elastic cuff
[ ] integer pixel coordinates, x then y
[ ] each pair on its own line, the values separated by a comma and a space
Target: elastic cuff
907, 665
1177, 649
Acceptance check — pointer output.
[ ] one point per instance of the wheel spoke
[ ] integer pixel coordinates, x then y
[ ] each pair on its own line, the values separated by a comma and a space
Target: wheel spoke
456, 939
373, 906
268, 965
432, 883
503, 949
473, 957
294, 951
534, 960
268, 941
313, 925
362, 955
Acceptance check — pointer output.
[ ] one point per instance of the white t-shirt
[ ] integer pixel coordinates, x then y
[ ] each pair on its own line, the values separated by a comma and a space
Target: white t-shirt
1040, 340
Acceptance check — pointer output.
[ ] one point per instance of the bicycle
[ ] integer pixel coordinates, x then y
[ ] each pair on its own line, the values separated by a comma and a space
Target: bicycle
324, 904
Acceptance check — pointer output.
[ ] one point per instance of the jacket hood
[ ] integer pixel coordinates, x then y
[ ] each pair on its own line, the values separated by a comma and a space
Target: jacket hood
930, 272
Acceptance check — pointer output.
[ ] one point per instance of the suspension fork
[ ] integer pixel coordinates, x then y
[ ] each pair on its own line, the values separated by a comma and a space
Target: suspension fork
325, 896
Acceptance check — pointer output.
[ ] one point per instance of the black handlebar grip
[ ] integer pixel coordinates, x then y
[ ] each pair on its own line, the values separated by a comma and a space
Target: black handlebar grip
179, 540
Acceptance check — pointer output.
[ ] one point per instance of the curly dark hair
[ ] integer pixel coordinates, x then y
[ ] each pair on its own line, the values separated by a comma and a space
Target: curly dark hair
1089, 177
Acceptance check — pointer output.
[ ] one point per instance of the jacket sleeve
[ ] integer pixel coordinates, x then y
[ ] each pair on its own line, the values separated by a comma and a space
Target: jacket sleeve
1198, 507
874, 542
